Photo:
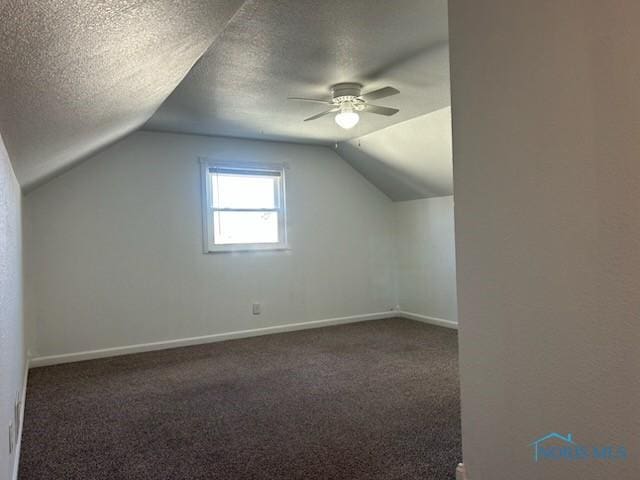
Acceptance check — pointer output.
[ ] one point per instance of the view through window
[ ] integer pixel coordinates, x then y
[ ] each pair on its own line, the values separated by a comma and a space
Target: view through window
245, 207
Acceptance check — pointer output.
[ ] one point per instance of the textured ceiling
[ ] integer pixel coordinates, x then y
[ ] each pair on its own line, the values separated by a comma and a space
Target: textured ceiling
278, 48
409, 160
77, 74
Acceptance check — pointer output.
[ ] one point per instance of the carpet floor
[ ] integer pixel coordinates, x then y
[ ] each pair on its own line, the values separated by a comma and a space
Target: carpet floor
369, 400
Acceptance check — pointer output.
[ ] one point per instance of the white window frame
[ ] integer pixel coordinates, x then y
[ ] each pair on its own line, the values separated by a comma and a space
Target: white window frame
206, 164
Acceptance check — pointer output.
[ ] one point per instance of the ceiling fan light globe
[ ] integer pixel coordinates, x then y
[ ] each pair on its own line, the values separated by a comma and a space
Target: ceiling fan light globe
347, 120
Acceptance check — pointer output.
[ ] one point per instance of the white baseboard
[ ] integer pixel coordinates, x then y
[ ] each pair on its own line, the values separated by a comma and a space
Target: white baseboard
23, 398
432, 320
218, 337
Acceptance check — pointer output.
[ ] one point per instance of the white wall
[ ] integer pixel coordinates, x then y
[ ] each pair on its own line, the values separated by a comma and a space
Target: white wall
546, 116
425, 257
116, 247
12, 345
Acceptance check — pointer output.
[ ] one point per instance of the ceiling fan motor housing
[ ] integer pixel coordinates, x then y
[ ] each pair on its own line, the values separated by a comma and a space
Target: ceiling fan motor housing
348, 93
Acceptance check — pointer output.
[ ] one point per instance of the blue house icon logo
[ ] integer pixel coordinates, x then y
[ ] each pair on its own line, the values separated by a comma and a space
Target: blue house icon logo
556, 447
539, 443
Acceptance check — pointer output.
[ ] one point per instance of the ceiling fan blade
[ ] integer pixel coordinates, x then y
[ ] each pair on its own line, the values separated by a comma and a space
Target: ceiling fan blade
322, 114
326, 102
380, 110
381, 93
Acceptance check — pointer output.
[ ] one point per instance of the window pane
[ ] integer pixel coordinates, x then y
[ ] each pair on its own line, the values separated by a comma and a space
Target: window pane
243, 190
245, 227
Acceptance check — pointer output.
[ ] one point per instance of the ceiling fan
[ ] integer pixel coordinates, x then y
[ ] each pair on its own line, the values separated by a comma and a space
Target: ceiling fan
347, 100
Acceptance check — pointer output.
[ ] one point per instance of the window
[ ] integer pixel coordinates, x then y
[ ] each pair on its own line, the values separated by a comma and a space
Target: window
244, 207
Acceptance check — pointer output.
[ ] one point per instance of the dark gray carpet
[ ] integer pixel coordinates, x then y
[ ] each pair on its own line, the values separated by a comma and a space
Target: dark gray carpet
371, 400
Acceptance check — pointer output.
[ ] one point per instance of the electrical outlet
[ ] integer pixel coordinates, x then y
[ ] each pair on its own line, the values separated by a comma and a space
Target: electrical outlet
11, 439
257, 309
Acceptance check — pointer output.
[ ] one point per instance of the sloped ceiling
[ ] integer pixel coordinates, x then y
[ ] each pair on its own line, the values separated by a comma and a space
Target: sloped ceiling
76, 75
409, 160
282, 48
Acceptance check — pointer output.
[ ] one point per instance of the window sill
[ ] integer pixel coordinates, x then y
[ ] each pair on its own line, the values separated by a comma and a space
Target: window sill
248, 248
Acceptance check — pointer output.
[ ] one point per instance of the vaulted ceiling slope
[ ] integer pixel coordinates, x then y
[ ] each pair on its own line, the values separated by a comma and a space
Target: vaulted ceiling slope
409, 160
76, 75
282, 48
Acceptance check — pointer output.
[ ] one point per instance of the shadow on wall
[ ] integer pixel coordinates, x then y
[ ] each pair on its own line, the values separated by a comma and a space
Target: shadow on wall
409, 160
